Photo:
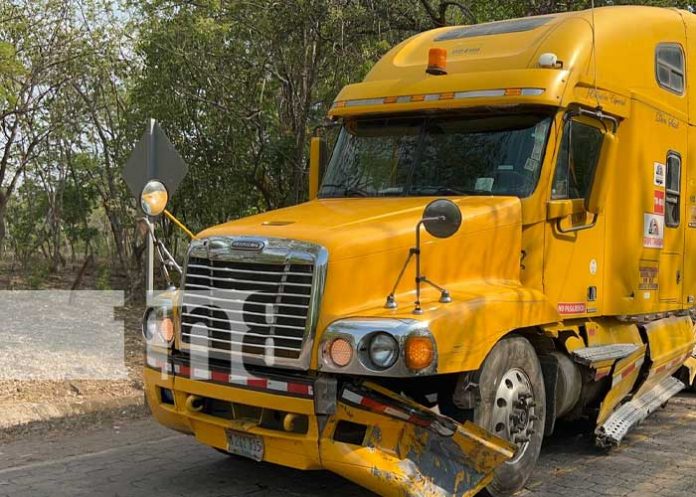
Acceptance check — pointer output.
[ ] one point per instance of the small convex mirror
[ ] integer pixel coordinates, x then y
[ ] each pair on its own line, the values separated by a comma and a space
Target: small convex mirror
442, 218
154, 197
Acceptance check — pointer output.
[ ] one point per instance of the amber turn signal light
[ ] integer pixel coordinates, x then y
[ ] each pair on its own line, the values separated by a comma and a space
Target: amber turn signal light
166, 329
437, 61
419, 352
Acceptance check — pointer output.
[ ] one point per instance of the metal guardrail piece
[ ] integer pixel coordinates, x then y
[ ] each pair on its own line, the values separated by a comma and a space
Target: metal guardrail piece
628, 415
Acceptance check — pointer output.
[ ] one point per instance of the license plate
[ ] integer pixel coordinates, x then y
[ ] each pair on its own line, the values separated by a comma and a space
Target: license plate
245, 445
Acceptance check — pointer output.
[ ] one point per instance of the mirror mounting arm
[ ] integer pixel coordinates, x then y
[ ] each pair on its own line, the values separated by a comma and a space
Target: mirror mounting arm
391, 300
165, 257
441, 219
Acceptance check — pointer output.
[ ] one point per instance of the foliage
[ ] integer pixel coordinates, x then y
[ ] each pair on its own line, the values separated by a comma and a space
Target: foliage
239, 87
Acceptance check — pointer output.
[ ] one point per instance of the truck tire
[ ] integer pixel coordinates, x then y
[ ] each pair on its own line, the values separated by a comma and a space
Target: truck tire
512, 406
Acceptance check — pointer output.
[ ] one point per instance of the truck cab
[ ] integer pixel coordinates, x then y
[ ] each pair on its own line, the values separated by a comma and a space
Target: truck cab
358, 333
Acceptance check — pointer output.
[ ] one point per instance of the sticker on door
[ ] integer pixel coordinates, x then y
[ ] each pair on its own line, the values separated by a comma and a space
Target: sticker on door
653, 230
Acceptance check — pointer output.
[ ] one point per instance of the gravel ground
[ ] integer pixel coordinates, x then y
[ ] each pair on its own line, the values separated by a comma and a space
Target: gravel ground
14, 391
18, 393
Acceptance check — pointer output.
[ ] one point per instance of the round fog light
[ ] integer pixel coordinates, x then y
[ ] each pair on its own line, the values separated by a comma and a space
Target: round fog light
341, 352
166, 329
383, 350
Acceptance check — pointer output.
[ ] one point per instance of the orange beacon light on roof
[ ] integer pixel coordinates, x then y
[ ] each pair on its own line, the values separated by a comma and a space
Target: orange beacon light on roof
437, 61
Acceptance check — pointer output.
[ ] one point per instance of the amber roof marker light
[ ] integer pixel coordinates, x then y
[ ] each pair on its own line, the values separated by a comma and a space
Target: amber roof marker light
437, 62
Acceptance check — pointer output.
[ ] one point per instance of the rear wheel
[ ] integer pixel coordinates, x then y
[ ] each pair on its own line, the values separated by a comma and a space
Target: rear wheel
513, 407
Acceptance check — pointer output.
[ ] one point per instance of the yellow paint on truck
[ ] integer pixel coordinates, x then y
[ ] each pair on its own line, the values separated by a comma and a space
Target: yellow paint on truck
600, 281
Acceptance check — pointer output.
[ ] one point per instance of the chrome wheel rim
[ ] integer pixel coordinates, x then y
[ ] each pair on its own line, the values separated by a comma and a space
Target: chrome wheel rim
514, 411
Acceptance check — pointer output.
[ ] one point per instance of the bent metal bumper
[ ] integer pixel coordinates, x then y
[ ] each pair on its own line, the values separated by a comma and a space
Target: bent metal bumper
406, 450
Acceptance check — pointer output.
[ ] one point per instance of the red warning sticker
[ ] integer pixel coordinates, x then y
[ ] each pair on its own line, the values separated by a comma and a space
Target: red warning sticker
571, 308
659, 202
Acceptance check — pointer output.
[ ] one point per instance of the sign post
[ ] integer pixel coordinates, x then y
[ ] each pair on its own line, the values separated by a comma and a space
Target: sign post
153, 158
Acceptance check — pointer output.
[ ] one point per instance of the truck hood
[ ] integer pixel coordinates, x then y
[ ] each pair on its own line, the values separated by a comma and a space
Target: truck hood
356, 227
368, 241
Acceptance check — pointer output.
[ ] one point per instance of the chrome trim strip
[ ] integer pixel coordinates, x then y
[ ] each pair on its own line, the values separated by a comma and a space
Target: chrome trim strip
258, 346
271, 273
235, 332
261, 325
267, 294
240, 301
250, 282
261, 314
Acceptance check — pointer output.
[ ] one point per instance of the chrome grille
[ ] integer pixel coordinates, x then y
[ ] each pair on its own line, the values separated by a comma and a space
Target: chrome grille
260, 305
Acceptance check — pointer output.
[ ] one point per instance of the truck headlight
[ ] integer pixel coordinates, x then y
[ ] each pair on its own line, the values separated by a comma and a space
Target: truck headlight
383, 350
158, 326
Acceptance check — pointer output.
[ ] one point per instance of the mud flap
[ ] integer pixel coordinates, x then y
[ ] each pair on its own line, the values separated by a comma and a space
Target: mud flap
690, 366
409, 450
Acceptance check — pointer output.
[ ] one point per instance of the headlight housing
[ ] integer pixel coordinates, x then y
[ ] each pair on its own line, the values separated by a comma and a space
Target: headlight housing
158, 326
378, 347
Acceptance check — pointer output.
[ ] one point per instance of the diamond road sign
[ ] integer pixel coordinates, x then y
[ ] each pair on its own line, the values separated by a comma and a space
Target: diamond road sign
154, 157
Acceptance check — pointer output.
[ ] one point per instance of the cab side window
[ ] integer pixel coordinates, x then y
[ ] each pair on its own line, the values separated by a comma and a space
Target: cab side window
669, 67
577, 159
673, 190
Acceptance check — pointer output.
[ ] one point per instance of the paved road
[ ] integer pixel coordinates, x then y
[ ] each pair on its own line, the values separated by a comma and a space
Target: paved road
139, 458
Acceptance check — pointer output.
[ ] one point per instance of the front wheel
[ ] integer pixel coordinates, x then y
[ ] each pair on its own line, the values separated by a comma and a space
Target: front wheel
512, 406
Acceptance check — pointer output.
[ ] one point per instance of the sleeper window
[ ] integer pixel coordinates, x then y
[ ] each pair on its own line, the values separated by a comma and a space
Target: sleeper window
575, 170
673, 191
669, 67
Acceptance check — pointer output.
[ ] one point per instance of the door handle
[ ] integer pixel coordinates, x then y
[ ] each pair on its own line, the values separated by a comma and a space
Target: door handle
573, 229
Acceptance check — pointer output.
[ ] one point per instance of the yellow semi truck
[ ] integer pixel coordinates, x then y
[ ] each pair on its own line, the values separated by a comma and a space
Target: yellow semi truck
504, 236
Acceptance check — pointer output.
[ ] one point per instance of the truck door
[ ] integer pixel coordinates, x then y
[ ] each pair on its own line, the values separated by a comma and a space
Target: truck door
573, 245
689, 198
671, 257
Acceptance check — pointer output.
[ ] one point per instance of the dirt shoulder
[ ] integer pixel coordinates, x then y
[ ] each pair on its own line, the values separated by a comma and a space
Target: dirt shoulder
29, 404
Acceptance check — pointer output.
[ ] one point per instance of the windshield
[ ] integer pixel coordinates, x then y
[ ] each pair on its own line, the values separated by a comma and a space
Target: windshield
437, 155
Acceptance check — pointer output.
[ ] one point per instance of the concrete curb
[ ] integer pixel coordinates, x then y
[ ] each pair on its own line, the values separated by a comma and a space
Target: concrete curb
29, 417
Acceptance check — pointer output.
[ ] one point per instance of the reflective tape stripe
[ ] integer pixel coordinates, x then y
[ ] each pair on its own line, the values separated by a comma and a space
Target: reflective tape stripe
380, 408
396, 413
626, 372
671, 364
352, 397
244, 381
479, 94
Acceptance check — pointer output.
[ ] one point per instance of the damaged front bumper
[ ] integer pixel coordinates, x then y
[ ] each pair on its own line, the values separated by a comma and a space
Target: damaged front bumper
361, 431
410, 450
